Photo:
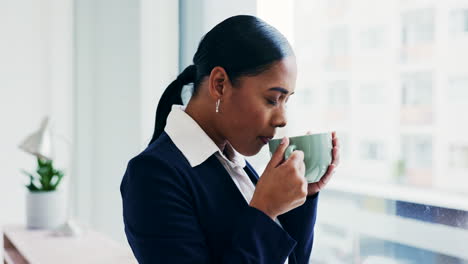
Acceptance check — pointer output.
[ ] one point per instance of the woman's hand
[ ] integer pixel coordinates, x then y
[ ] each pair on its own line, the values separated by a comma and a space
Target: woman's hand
315, 187
283, 185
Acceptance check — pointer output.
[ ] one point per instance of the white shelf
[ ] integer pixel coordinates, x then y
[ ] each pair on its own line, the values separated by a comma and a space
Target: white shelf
23, 246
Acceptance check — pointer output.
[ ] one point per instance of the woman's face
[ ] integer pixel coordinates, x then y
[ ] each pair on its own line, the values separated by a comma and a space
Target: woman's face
253, 109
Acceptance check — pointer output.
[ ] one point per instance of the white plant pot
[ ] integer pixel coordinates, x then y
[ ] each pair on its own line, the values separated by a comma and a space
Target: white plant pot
45, 210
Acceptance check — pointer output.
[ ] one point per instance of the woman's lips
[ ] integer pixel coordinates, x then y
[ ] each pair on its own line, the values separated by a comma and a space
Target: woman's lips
265, 139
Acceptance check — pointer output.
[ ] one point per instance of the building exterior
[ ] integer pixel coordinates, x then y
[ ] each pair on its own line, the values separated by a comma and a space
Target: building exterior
392, 78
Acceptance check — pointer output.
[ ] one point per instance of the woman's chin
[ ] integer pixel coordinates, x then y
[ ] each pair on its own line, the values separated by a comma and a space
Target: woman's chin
248, 152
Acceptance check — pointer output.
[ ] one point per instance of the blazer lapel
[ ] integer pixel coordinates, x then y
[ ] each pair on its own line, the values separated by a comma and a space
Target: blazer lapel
251, 172
222, 179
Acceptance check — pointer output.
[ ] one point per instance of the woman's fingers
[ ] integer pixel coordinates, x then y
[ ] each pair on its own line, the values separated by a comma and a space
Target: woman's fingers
315, 187
324, 180
336, 156
335, 142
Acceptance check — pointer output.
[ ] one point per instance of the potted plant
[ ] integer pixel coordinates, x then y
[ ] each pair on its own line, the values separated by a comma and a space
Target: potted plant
45, 202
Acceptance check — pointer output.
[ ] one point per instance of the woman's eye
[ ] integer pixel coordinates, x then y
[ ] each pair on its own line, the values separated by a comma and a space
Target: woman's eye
272, 102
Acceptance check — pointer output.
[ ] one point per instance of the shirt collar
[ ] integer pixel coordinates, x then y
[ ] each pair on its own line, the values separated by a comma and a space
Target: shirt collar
193, 142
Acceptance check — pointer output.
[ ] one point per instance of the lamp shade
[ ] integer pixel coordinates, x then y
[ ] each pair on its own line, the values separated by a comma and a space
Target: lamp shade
39, 143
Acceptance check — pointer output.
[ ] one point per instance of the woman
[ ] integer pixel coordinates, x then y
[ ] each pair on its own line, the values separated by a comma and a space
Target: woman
190, 196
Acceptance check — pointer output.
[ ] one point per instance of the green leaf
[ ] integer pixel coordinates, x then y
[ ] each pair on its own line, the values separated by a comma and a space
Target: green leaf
47, 177
32, 178
32, 187
60, 176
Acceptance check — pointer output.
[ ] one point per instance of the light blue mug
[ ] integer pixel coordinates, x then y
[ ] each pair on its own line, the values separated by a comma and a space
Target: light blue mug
317, 150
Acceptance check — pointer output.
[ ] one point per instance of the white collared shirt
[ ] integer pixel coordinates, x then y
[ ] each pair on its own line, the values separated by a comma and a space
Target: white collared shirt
197, 147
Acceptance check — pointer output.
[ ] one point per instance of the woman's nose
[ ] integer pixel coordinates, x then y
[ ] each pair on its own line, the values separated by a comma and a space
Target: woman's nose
279, 118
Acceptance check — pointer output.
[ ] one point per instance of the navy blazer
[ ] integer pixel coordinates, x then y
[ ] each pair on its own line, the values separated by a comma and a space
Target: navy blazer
174, 213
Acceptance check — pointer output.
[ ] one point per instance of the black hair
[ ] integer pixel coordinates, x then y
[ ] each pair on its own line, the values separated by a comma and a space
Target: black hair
243, 45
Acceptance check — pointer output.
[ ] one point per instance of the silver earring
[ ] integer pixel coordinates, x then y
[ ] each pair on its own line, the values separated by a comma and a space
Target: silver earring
217, 105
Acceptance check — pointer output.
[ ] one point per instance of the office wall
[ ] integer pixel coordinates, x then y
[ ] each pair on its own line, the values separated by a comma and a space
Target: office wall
197, 17
35, 81
126, 53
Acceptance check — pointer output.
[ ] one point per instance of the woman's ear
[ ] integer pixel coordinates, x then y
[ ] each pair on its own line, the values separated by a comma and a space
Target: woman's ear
218, 82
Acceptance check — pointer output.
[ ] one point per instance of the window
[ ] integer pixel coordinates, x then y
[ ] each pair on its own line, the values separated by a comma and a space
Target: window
338, 93
337, 48
457, 92
400, 194
338, 42
417, 27
372, 93
416, 151
372, 150
416, 98
417, 35
372, 38
459, 21
416, 89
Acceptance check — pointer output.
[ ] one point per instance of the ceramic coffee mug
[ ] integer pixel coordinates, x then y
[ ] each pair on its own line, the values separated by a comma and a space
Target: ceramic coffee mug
317, 150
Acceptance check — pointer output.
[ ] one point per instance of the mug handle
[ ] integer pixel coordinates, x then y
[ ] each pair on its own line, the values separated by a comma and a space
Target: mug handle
289, 151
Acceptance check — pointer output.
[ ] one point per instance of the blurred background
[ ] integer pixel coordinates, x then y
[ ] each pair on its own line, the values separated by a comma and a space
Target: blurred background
390, 76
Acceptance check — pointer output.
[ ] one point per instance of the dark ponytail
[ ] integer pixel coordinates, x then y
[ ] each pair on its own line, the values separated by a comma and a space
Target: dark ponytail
171, 96
242, 45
